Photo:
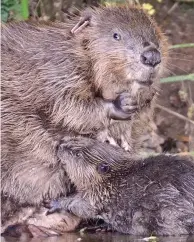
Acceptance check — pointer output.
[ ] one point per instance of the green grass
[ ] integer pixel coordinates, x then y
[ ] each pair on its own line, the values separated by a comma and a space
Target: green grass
187, 45
24, 9
189, 77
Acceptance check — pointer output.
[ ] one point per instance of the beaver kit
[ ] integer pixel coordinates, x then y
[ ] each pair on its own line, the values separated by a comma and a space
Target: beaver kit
151, 196
62, 79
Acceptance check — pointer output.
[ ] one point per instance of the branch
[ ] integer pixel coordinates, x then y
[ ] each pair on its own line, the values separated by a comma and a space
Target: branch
175, 114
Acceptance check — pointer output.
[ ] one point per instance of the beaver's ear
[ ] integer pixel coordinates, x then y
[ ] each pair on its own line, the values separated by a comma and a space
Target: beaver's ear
85, 20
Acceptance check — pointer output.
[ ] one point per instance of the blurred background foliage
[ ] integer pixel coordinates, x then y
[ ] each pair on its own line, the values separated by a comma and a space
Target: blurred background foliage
175, 121
59, 9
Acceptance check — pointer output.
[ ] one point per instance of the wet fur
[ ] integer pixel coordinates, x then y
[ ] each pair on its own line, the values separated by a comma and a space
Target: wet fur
50, 83
151, 196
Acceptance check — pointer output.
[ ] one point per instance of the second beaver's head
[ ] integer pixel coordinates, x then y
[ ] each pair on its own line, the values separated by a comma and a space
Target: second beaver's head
89, 162
126, 47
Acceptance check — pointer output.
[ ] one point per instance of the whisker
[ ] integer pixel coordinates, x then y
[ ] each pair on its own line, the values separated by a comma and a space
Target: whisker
170, 71
171, 58
171, 51
178, 54
178, 68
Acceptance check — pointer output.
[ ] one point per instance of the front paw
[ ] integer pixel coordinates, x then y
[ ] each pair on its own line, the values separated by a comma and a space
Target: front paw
126, 103
54, 206
124, 106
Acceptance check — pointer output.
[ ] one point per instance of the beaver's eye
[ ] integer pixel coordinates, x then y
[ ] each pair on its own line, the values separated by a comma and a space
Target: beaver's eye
103, 168
117, 36
76, 153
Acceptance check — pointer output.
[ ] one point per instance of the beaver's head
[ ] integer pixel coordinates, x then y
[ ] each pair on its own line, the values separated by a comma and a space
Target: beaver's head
126, 47
89, 162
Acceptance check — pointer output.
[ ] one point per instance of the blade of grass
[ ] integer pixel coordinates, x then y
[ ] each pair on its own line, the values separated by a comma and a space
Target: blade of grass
24, 9
189, 77
188, 45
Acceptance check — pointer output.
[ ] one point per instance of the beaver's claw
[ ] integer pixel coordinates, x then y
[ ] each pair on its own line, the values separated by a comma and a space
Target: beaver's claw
54, 206
126, 103
124, 107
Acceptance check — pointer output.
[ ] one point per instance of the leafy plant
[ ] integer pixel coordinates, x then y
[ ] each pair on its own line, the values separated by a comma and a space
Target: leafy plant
14, 10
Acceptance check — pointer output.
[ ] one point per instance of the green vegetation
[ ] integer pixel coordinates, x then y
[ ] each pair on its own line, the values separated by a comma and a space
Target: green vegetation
24, 9
14, 10
188, 45
189, 77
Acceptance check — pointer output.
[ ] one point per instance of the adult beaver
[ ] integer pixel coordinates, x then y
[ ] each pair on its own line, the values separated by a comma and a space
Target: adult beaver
151, 196
59, 79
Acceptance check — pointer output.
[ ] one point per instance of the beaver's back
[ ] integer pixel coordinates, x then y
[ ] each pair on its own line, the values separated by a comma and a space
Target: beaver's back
157, 197
33, 57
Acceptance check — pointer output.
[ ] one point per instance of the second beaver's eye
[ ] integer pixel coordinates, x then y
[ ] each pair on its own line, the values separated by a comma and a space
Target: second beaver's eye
103, 168
76, 153
117, 36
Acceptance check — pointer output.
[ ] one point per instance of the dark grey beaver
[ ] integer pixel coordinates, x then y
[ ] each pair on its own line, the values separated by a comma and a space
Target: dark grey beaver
151, 196
59, 79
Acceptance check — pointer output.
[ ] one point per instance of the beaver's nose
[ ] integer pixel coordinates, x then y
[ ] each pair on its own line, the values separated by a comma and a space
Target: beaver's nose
151, 57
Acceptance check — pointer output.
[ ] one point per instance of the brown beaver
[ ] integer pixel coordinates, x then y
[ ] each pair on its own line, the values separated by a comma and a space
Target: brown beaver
62, 79
150, 196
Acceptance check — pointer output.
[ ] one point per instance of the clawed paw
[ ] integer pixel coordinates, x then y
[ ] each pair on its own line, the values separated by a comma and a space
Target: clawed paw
126, 103
54, 206
124, 107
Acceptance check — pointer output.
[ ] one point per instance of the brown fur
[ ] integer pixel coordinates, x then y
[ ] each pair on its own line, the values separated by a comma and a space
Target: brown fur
147, 196
55, 83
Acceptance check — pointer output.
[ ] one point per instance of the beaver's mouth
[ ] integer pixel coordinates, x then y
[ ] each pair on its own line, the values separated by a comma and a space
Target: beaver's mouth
146, 78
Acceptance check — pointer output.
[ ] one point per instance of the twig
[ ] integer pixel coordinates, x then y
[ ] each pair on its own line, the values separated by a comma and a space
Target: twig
175, 114
191, 153
175, 5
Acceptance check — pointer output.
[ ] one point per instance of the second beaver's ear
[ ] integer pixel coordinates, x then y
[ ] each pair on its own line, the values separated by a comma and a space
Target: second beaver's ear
85, 20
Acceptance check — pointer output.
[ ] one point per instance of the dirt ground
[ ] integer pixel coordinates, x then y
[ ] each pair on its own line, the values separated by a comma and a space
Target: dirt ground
176, 135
